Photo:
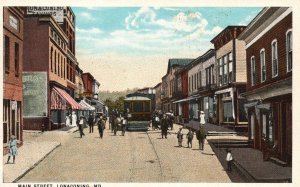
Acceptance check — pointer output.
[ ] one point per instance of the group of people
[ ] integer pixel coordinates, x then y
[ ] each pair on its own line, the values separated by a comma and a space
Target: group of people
99, 120
200, 135
118, 121
163, 122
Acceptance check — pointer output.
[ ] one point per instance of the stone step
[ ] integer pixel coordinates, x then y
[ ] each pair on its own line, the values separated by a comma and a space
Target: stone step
219, 133
278, 162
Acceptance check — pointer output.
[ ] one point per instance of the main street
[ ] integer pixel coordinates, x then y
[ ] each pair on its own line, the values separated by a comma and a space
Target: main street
135, 157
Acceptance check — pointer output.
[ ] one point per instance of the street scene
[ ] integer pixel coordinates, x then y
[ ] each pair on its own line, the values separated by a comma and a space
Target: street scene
147, 94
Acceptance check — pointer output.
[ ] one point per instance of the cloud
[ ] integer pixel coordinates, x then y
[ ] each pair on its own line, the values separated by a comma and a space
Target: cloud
87, 16
89, 31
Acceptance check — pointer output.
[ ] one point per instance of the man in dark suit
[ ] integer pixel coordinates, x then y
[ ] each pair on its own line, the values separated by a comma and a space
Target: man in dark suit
164, 126
91, 123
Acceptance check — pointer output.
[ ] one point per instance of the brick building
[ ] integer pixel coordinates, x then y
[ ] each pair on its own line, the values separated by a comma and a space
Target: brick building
231, 77
13, 28
48, 78
269, 82
158, 97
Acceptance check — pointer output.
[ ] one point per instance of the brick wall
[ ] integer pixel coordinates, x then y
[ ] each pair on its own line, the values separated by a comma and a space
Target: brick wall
277, 32
241, 70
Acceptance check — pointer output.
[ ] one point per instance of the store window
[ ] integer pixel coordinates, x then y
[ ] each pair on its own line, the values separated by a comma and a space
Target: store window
227, 111
230, 74
225, 60
264, 126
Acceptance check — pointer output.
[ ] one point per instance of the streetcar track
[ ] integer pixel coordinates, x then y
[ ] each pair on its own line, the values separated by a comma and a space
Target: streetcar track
157, 157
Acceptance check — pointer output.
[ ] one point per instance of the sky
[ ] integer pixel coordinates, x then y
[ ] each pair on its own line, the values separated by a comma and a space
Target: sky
129, 47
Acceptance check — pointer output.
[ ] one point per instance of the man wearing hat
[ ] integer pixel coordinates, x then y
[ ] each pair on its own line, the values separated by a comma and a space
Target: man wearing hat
164, 126
81, 125
201, 135
12, 148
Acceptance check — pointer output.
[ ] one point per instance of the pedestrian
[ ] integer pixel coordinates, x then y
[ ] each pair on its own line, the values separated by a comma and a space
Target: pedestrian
68, 120
74, 119
81, 125
172, 119
190, 136
164, 126
180, 137
101, 126
123, 126
201, 135
91, 123
202, 118
229, 159
12, 148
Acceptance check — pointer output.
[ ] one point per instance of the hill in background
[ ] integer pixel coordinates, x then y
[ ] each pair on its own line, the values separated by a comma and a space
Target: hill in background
114, 95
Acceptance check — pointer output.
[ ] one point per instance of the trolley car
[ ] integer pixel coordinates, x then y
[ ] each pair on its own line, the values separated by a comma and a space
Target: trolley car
139, 115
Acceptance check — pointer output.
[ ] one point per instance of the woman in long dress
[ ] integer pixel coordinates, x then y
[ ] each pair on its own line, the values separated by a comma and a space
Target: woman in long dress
74, 119
68, 120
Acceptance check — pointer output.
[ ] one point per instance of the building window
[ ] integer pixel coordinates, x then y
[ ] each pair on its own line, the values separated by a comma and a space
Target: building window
189, 83
289, 50
274, 59
263, 65
230, 74
225, 60
55, 62
6, 53
58, 65
51, 59
220, 72
16, 59
61, 66
253, 74
252, 122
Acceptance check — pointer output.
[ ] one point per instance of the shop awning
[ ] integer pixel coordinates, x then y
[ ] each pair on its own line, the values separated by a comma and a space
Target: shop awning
85, 106
60, 99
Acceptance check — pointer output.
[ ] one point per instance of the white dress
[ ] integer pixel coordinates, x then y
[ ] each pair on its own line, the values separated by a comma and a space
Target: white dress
74, 119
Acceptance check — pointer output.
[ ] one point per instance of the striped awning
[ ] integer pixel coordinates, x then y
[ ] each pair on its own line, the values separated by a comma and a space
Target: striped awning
85, 106
60, 99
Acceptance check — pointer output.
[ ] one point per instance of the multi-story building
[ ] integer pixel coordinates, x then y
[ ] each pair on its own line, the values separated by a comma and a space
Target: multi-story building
13, 27
206, 98
269, 82
231, 77
169, 84
49, 80
79, 84
158, 97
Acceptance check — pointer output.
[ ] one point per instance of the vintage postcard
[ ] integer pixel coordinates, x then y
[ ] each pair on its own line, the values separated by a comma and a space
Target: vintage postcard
190, 93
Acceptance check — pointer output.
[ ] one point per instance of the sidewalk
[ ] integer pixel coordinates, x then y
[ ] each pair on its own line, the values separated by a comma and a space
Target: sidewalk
34, 150
248, 162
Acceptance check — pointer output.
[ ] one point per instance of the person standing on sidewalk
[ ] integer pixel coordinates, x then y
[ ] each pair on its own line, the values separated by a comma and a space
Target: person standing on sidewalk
101, 126
74, 119
81, 125
202, 118
12, 148
201, 135
180, 137
68, 120
164, 126
229, 159
91, 123
190, 136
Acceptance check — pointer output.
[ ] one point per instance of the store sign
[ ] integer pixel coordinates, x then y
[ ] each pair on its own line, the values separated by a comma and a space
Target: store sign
35, 94
13, 22
56, 12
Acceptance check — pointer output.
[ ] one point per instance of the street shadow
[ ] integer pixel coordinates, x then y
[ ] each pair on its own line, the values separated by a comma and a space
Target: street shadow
211, 154
77, 137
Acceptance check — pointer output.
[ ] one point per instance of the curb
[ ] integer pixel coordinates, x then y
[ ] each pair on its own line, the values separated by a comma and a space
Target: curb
34, 165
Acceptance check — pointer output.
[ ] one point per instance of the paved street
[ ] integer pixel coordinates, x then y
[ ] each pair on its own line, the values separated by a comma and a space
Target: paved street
136, 157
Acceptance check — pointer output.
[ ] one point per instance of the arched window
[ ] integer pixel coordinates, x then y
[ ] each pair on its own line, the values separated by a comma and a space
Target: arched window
274, 58
51, 59
55, 62
262, 65
253, 73
289, 50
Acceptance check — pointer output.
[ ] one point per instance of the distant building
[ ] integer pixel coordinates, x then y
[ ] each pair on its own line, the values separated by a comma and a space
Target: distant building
169, 84
13, 28
269, 48
158, 97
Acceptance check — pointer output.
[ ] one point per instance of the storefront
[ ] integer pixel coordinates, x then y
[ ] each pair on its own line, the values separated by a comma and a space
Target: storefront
62, 104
